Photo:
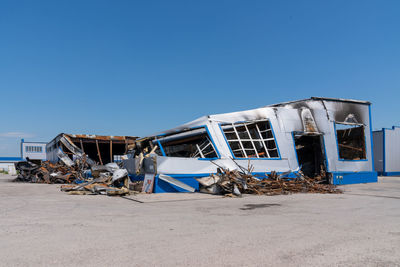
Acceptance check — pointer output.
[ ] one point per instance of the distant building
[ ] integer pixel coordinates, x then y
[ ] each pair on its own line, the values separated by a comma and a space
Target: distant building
387, 151
7, 164
35, 151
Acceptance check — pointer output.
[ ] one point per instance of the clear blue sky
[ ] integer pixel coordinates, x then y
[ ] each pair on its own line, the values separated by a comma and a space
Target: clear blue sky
139, 67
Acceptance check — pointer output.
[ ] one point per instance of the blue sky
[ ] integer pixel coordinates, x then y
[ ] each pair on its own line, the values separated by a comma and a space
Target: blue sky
139, 67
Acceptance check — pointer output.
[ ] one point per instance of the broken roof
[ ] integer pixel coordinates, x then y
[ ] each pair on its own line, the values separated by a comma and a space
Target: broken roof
321, 98
251, 112
97, 137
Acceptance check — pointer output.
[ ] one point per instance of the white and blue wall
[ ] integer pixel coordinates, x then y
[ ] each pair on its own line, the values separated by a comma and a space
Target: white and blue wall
387, 151
33, 150
285, 119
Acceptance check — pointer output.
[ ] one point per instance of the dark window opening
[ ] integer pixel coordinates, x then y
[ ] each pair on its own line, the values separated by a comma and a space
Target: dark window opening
351, 141
190, 144
251, 139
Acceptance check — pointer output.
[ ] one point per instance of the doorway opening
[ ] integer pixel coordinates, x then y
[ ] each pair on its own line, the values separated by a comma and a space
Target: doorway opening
311, 154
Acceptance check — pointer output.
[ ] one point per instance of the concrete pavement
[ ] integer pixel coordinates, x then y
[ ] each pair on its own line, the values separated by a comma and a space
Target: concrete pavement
41, 226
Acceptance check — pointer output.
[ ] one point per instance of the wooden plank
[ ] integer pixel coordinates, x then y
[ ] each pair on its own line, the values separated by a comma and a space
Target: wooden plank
111, 157
80, 140
98, 152
350, 147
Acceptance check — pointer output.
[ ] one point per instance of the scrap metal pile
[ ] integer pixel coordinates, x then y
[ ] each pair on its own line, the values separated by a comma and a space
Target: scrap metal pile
108, 180
79, 177
236, 183
50, 173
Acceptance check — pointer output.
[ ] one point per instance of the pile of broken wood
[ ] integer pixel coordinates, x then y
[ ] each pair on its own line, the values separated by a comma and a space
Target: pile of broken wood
235, 183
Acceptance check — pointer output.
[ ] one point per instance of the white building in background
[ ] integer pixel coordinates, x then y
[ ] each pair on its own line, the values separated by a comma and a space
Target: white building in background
387, 151
7, 164
33, 150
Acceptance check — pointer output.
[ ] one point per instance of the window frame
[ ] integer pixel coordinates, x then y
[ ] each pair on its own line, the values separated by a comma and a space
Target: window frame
33, 149
250, 122
337, 141
207, 132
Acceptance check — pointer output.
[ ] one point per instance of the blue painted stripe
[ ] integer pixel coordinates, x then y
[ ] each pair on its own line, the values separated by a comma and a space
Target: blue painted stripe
212, 141
341, 178
161, 148
161, 186
391, 174
370, 132
10, 159
393, 127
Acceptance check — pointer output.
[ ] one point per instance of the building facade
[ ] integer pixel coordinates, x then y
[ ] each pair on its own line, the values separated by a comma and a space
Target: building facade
317, 136
33, 150
387, 151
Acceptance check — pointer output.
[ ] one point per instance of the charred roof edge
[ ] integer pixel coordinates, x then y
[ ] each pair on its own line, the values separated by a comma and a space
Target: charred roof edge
322, 98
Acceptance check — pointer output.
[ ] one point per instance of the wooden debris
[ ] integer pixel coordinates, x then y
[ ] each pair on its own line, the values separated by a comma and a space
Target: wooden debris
235, 183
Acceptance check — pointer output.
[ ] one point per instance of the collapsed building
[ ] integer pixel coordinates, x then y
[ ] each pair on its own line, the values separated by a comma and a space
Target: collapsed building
324, 137
97, 148
83, 163
387, 151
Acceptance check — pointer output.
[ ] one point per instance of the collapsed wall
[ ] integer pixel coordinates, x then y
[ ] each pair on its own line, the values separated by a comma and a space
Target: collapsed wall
317, 137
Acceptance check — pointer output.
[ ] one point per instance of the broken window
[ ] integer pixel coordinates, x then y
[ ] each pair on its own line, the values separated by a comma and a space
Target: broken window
251, 139
189, 144
351, 141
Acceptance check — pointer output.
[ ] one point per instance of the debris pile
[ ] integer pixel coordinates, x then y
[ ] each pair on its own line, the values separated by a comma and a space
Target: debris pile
235, 183
77, 176
115, 185
51, 173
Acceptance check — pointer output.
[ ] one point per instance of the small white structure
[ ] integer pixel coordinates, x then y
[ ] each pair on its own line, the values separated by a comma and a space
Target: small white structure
387, 151
33, 150
7, 164
317, 136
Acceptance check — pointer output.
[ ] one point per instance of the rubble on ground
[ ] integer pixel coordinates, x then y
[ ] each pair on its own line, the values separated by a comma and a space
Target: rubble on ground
76, 169
51, 173
77, 176
236, 183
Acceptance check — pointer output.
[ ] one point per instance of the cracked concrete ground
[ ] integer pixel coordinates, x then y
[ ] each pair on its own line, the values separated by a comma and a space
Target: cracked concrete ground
41, 226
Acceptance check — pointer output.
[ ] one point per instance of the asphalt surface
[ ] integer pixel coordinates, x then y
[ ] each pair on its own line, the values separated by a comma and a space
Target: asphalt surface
41, 226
